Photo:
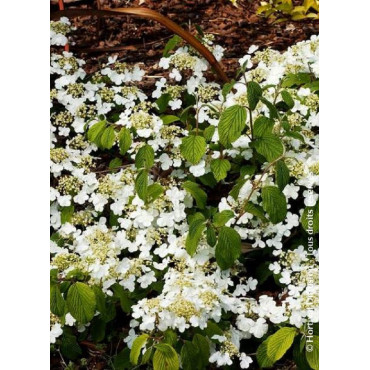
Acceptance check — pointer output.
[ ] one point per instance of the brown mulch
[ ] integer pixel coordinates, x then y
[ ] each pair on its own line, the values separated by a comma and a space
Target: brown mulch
137, 40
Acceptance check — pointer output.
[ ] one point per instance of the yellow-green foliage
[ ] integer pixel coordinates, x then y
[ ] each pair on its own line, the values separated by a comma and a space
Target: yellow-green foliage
282, 10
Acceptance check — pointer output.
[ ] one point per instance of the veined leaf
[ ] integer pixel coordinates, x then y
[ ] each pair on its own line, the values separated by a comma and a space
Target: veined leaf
57, 302
220, 219
108, 137
189, 356
287, 98
193, 148
165, 358
136, 348
154, 191
95, 131
282, 174
196, 192
141, 184
144, 157
313, 356
202, 345
196, 229
269, 145
220, 167
254, 92
209, 132
262, 125
255, 210
274, 203
228, 247
232, 122
81, 302
169, 119
125, 141
275, 346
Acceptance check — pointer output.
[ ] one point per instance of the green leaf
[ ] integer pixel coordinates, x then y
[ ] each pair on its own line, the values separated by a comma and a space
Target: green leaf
189, 356
66, 214
115, 163
196, 229
122, 360
144, 157
97, 330
228, 247
165, 358
170, 337
282, 174
296, 79
193, 148
310, 219
287, 98
169, 119
274, 203
272, 109
136, 348
255, 210
269, 145
275, 346
227, 88
208, 180
254, 92
232, 123
213, 329
209, 132
95, 132
263, 125
100, 300
69, 347
196, 192
57, 302
108, 137
81, 302
154, 191
202, 345
171, 44
220, 167
211, 236
295, 135
124, 139
313, 356
237, 187
162, 102
122, 295
300, 358
220, 219
141, 184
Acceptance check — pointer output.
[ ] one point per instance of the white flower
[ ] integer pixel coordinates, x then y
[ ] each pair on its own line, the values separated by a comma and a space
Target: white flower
198, 169
245, 361
70, 320
285, 279
259, 329
166, 161
55, 332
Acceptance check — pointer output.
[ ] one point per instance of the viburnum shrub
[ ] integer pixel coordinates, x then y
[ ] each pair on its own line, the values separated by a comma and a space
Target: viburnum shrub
185, 219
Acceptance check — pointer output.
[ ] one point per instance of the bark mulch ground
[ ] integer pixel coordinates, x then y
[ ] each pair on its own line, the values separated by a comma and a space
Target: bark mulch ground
137, 40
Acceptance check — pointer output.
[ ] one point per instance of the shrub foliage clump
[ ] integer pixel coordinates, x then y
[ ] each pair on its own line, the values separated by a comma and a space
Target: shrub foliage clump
185, 219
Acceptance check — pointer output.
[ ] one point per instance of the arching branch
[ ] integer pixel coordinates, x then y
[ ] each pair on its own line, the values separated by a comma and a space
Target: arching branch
155, 16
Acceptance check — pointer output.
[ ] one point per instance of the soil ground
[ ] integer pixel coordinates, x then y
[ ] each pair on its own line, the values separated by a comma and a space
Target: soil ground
137, 40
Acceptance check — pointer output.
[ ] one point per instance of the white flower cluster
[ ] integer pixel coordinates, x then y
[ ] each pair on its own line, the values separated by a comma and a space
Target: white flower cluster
103, 229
